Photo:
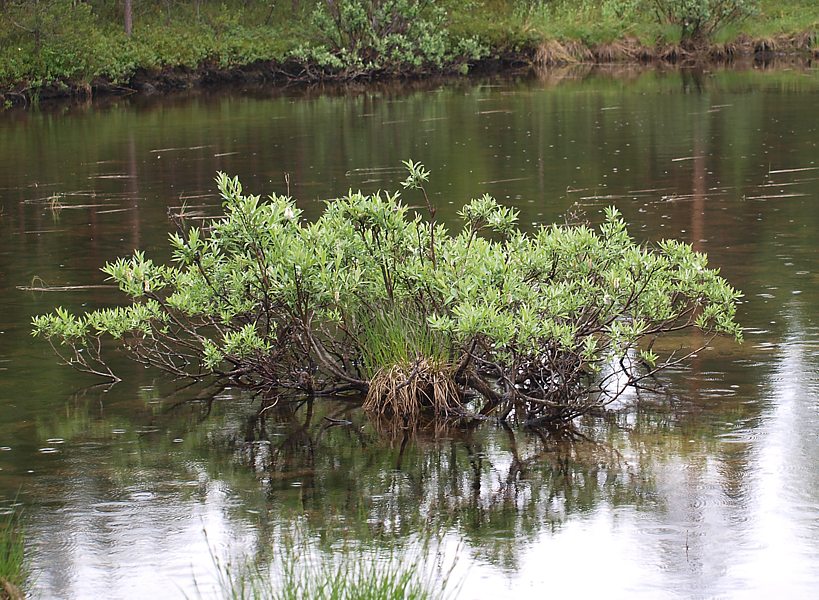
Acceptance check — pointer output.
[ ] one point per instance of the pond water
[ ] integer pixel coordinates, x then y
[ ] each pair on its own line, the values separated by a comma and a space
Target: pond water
710, 489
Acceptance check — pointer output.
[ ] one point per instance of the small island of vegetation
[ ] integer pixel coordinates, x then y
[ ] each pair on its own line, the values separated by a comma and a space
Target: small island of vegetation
373, 300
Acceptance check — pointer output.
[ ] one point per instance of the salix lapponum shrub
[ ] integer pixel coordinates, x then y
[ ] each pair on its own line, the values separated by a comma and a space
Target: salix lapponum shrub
365, 37
372, 298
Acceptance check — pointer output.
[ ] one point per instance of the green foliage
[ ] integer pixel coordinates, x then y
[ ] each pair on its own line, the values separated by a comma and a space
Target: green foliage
656, 22
395, 337
348, 581
620, 9
36, 44
590, 21
353, 571
271, 301
12, 557
370, 36
48, 42
700, 19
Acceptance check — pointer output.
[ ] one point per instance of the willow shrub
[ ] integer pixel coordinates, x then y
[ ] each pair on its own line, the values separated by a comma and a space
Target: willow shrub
375, 299
362, 38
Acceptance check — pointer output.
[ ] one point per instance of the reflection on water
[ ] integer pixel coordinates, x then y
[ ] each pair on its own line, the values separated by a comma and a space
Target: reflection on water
708, 489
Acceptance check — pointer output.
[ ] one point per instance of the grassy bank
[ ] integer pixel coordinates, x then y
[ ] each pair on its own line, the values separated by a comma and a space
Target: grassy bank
64, 47
603, 31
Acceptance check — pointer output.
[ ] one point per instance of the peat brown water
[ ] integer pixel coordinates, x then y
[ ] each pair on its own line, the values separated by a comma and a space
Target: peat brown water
710, 489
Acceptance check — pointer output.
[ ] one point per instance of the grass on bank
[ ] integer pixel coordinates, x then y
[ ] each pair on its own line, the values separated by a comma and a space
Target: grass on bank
778, 20
598, 22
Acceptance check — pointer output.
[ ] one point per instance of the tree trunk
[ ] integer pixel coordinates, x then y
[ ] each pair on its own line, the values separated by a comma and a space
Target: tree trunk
37, 28
129, 18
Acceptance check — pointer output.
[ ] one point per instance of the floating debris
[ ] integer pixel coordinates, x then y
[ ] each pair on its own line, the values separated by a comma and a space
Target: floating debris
503, 180
646, 191
373, 170
64, 288
606, 197
782, 184
177, 149
75, 206
793, 170
774, 196
115, 210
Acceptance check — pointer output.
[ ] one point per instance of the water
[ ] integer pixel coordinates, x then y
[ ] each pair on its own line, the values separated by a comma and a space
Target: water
708, 490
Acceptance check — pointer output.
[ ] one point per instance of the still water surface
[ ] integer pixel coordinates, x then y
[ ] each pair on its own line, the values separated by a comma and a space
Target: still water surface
710, 489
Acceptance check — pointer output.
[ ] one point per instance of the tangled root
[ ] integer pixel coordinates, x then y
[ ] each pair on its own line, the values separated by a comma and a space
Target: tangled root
405, 390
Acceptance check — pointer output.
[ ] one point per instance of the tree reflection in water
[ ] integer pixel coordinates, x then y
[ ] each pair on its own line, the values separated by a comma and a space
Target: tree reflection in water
249, 475
496, 487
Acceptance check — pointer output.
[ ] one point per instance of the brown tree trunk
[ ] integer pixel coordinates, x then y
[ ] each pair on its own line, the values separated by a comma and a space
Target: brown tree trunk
129, 18
37, 28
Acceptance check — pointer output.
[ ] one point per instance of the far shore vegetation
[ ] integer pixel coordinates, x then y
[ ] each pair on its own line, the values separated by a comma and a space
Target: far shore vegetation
83, 47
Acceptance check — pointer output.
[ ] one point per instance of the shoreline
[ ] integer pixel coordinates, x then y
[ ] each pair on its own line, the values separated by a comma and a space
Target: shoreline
291, 74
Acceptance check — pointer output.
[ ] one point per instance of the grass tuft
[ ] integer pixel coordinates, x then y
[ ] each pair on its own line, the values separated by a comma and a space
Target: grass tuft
398, 335
405, 389
351, 571
408, 365
12, 557
552, 52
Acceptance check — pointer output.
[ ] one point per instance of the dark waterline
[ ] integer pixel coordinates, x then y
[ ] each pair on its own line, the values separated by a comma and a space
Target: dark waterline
708, 490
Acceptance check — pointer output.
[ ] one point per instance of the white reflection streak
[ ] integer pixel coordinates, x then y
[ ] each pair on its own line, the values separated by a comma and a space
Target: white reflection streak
587, 558
153, 550
778, 563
